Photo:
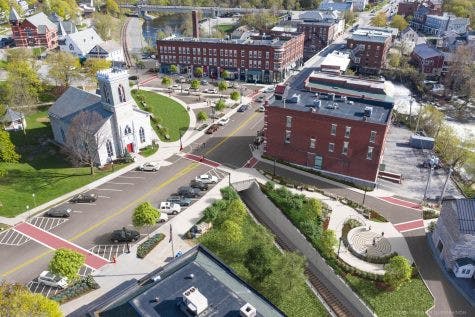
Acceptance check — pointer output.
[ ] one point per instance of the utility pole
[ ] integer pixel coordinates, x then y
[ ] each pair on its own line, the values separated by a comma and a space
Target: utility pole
428, 183
451, 169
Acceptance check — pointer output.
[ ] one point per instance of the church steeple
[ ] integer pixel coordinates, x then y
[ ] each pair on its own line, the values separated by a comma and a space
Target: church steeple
14, 17
114, 86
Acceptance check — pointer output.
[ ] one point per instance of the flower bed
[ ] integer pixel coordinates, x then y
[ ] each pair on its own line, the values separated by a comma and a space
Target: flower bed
145, 247
77, 289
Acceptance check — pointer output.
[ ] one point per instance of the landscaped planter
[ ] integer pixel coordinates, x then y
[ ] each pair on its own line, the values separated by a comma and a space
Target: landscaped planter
145, 247
77, 289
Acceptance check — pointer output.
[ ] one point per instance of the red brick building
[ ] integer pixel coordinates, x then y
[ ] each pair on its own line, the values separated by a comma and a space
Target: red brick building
428, 60
407, 8
36, 30
263, 59
340, 136
369, 48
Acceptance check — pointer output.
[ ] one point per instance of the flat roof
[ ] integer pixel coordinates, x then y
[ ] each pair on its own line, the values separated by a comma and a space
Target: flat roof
267, 40
352, 109
225, 292
370, 35
342, 60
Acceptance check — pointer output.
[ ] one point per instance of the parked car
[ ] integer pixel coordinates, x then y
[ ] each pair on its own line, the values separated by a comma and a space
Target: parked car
188, 192
169, 208
223, 121
175, 86
243, 108
212, 128
432, 162
258, 140
204, 82
269, 89
126, 235
197, 184
50, 279
84, 198
150, 166
262, 108
213, 91
260, 99
163, 217
180, 200
207, 179
58, 212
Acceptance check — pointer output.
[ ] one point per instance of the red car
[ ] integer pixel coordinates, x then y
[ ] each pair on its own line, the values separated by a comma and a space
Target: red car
213, 128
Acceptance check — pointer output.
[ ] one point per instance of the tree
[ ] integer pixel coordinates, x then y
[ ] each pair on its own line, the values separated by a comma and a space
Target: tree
430, 119
22, 85
235, 95
398, 270
198, 71
145, 215
19, 54
93, 65
84, 138
231, 233
202, 116
225, 74
328, 241
17, 300
350, 17
67, 263
173, 69
399, 22
451, 148
380, 19
103, 24
220, 105
461, 73
461, 8
394, 59
112, 7
261, 21
195, 84
8, 153
222, 85
166, 81
63, 67
258, 260
64, 8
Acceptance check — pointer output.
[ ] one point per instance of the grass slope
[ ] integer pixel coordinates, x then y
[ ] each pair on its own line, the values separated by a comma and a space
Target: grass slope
173, 116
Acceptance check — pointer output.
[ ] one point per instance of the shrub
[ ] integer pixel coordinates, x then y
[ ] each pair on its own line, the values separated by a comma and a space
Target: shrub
81, 287
432, 226
229, 193
145, 247
430, 214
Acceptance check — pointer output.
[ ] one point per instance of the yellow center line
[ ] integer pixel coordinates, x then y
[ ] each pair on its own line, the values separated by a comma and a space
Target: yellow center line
231, 134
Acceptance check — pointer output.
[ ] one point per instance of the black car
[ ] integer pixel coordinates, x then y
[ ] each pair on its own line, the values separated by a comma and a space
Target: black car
197, 184
84, 198
126, 235
58, 212
243, 108
180, 200
188, 192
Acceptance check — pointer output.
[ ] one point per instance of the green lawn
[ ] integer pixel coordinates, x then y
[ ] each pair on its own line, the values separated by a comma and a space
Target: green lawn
412, 299
172, 115
226, 28
149, 150
41, 170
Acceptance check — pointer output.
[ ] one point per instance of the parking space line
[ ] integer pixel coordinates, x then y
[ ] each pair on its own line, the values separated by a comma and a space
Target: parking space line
111, 189
104, 196
120, 183
139, 177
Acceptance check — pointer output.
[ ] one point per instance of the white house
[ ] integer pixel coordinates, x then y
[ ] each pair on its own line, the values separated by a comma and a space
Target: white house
109, 50
80, 43
124, 127
13, 120
464, 268
359, 5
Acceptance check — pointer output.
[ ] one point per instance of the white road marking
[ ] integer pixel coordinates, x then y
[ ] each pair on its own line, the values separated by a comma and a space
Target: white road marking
131, 184
103, 196
140, 177
78, 211
90, 204
111, 189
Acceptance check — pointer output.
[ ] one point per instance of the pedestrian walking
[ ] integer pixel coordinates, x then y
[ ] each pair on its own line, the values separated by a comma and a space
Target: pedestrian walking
382, 234
374, 242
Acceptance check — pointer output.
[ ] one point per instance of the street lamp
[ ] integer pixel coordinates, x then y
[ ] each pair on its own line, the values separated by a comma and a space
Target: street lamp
181, 144
339, 246
27, 210
34, 199
126, 240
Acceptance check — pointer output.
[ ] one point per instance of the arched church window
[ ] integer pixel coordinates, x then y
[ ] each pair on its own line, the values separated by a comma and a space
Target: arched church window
62, 135
106, 94
121, 93
142, 135
110, 151
127, 130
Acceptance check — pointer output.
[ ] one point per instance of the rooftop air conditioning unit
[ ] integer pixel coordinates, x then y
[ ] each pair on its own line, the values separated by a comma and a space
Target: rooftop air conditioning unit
247, 311
368, 111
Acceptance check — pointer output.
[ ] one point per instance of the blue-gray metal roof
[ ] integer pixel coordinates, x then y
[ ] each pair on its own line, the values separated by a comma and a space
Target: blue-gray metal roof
464, 261
465, 209
72, 101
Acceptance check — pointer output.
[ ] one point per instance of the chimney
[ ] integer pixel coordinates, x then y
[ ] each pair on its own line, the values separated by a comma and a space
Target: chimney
195, 24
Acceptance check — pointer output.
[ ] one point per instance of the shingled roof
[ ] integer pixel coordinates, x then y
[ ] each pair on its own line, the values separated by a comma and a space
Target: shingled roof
72, 101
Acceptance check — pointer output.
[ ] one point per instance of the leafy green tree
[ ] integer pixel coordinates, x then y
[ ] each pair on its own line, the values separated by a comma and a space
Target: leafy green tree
195, 84
173, 69
63, 67
430, 119
399, 22
17, 300
145, 215
19, 54
222, 85
258, 260
327, 242
8, 153
67, 263
103, 24
231, 232
350, 17
220, 105
64, 8
198, 71
260, 21
225, 74
398, 271
461, 8
22, 85
380, 19
92, 65
112, 7
235, 95
202, 116
229, 193
394, 59
452, 150
166, 81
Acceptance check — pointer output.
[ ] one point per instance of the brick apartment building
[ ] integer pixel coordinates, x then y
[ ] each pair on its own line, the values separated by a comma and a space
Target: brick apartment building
369, 48
407, 8
36, 30
337, 135
266, 58
428, 60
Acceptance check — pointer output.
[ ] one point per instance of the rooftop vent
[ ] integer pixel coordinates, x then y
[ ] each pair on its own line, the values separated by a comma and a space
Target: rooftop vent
156, 278
247, 311
368, 111
195, 301
317, 103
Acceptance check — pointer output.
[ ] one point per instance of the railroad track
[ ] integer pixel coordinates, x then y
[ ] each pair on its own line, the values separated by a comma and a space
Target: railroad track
125, 47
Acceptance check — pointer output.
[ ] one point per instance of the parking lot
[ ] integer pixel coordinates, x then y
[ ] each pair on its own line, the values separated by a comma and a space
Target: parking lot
400, 158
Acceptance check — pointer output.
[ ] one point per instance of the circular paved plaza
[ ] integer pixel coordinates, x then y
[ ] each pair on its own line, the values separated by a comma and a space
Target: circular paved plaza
367, 242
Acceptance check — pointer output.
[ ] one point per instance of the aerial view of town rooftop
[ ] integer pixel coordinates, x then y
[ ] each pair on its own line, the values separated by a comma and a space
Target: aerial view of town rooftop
249, 158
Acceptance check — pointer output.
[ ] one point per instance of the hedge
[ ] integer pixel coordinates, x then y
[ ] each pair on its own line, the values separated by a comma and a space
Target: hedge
82, 286
145, 247
429, 214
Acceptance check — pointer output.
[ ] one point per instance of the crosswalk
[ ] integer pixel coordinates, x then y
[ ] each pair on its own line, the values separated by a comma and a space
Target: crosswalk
109, 251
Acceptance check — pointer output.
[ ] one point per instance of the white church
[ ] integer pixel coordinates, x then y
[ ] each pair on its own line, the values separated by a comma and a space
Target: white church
124, 127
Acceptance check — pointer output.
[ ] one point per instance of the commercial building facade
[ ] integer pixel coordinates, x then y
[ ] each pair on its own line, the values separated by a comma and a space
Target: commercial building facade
262, 59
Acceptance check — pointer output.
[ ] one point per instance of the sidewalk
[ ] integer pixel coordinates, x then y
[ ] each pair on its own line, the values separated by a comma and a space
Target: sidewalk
128, 266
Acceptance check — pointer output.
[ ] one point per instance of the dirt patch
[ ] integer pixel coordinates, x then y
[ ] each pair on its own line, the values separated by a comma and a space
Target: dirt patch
43, 120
